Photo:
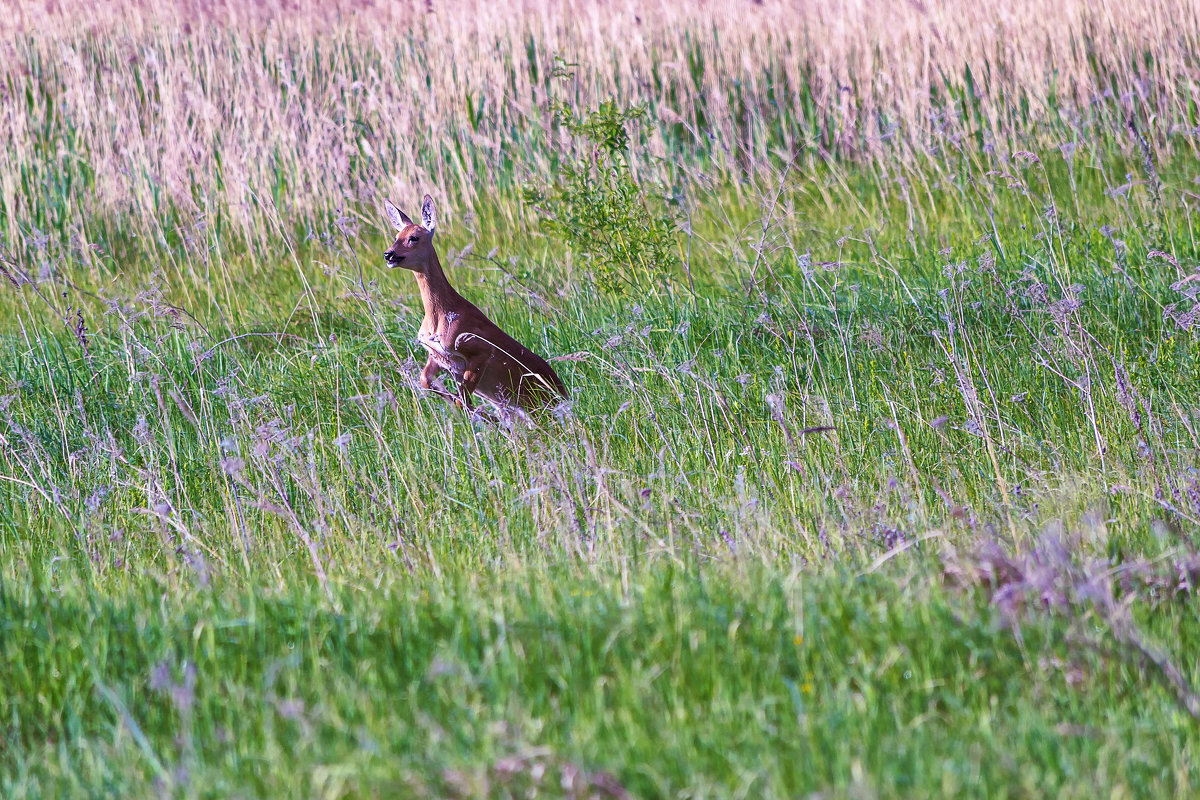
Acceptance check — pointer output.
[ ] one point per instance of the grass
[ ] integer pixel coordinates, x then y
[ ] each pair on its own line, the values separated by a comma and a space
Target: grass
683, 681
889, 488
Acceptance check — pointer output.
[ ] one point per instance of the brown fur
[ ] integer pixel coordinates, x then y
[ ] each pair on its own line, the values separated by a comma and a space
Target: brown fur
460, 338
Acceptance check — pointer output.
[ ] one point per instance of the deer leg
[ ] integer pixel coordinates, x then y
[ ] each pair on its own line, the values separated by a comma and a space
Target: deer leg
471, 375
432, 370
466, 387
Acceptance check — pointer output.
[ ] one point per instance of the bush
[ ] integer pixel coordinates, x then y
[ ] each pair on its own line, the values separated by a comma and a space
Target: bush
596, 206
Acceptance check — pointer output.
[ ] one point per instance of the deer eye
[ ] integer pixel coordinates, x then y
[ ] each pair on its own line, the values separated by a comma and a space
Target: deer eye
413, 240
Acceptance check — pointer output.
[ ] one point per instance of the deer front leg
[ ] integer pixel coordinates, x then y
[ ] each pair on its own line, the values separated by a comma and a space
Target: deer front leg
466, 387
432, 370
476, 365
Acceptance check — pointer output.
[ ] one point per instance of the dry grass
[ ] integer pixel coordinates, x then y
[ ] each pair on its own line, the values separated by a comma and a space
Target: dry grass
263, 111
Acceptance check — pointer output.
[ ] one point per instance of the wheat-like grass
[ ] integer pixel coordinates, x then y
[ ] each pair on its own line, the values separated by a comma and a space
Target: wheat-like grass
264, 111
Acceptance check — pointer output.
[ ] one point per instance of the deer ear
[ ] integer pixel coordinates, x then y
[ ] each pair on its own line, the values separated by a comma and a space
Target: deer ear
428, 214
398, 218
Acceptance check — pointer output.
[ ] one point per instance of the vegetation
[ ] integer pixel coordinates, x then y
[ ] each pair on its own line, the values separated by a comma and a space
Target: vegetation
885, 483
597, 208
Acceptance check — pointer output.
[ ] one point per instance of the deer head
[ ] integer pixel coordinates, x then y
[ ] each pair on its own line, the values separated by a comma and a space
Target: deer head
413, 248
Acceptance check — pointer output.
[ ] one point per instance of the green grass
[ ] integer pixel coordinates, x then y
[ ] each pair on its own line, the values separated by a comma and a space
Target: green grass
699, 681
241, 555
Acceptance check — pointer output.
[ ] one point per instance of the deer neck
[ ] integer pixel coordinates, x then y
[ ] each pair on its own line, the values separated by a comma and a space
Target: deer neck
437, 295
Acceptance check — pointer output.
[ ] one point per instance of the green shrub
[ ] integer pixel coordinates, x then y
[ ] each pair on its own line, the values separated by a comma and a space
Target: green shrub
596, 206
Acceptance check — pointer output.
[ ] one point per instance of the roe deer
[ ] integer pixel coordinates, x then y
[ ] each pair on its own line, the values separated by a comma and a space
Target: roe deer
461, 340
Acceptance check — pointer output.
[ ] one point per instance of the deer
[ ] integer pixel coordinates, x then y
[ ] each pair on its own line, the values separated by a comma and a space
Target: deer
461, 340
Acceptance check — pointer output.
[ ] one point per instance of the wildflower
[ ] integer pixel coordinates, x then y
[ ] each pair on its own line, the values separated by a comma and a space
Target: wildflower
872, 336
727, 537
564, 411
292, 709
160, 677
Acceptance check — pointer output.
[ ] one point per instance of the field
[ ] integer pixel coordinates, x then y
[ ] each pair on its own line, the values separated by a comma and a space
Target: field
880, 476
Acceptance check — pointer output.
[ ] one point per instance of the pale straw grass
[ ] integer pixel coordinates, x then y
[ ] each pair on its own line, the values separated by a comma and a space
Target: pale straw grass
273, 111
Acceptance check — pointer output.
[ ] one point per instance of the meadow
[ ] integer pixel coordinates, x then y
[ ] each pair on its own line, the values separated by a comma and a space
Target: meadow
880, 475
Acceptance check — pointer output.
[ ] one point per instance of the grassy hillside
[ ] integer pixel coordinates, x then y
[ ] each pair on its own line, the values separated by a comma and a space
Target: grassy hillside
879, 475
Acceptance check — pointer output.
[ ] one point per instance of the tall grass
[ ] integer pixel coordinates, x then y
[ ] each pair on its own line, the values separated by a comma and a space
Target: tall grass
265, 118
893, 490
